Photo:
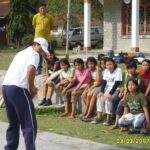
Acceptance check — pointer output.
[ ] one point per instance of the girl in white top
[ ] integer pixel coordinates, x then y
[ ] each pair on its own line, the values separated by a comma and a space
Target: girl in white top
110, 85
65, 81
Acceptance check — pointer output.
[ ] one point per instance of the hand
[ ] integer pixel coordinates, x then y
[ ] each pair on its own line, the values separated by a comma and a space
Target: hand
33, 91
100, 94
74, 92
121, 94
47, 81
63, 91
89, 89
65, 81
108, 96
56, 87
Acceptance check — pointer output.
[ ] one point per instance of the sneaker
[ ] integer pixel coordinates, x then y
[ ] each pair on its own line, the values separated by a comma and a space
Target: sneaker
48, 102
96, 120
143, 131
133, 131
42, 102
107, 123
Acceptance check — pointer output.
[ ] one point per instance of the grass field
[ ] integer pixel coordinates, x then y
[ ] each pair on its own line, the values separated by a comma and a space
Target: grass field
5, 59
6, 56
52, 122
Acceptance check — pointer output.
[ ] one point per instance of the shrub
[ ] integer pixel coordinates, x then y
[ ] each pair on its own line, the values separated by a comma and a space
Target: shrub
27, 39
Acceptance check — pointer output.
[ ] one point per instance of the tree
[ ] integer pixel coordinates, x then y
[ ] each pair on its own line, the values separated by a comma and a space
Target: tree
18, 20
59, 9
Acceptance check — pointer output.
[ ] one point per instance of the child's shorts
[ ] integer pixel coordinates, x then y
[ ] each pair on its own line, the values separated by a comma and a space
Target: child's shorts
98, 90
93, 91
120, 109
56, 80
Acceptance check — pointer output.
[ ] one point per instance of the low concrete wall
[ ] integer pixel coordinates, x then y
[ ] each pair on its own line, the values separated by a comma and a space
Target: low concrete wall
39, 82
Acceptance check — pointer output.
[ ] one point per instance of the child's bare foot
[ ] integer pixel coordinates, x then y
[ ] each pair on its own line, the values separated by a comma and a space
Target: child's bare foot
82, 115
64, 114
114, 127
88, 116
72, 116
124, 129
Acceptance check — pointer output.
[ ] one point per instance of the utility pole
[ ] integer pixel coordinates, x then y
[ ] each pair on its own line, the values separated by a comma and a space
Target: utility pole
68, 27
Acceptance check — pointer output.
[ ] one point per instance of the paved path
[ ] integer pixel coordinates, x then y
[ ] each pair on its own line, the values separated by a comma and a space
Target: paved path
51, 141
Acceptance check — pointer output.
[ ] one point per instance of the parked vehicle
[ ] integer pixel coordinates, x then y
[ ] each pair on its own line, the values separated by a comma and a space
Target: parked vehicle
76, 37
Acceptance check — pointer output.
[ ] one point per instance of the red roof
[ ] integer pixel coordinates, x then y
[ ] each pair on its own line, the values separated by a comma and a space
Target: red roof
4, 8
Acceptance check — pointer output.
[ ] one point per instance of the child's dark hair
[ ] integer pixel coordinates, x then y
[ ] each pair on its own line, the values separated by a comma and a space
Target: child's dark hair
131, 64
91, 59
129, 60
65, 61
79, 61
57, 64
135, 82
103, 59
42, 5
100, 56
110, 59
51, 51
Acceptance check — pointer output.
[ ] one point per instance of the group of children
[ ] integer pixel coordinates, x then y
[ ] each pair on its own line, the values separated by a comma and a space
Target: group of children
123, 95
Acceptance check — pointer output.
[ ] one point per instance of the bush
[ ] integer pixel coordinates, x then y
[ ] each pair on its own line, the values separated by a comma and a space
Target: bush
27, 39
57, 42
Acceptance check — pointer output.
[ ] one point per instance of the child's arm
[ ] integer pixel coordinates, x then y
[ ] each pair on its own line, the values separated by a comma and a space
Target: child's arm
147, 90
146, 112
98, 79
74, 79
121, 92
126, 110
59, 84
125, 105
81, 82
139, 82
46, 69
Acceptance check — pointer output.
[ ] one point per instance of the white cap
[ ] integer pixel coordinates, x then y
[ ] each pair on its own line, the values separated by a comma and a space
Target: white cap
43, 42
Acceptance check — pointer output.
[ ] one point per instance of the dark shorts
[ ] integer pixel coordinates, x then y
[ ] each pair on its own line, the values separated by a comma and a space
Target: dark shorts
120, 109
56, 80
73, 85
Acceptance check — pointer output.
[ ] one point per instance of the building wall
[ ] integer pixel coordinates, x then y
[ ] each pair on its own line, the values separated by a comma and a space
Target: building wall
113, 38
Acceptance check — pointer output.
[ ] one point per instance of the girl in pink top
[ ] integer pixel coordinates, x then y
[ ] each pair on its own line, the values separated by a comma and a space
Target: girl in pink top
83, 78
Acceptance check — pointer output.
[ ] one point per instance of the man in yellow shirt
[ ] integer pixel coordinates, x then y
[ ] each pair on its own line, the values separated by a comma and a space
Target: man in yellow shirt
43, 24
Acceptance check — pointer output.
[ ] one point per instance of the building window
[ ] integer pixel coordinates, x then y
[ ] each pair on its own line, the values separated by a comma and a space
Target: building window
144, 18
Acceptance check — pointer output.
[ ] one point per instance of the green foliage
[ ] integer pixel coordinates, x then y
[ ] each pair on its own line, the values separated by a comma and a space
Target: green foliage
59, 8
18, 19
27, 39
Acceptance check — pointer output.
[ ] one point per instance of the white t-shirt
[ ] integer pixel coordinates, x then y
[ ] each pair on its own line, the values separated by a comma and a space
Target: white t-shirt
111, 78
94, 75
17, 71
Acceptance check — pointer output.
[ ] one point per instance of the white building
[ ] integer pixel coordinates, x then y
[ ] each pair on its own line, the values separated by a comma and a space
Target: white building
126, 25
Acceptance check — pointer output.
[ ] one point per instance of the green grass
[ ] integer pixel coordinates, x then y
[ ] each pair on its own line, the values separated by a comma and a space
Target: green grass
6, 56
5, 59
52, 122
